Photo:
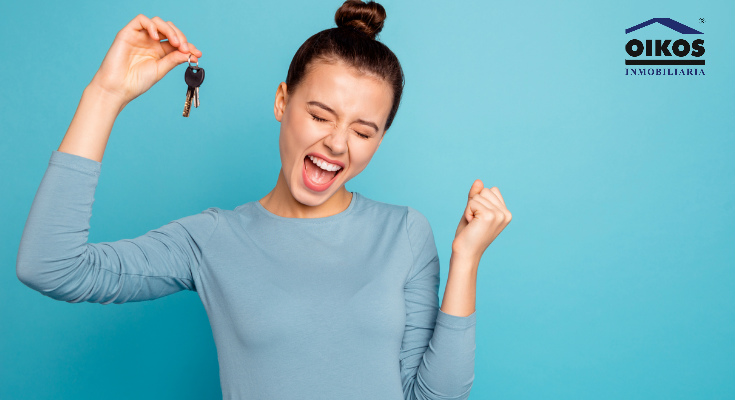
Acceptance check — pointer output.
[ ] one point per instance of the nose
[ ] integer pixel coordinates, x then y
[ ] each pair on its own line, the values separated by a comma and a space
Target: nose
337, 140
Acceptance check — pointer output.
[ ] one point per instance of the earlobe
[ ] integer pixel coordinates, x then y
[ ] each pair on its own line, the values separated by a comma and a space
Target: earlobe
279, 106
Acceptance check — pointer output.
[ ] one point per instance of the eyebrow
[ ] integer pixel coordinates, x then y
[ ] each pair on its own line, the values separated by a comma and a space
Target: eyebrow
327, 108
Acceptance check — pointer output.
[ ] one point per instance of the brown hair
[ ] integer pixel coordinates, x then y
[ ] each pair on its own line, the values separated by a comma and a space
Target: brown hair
353, 42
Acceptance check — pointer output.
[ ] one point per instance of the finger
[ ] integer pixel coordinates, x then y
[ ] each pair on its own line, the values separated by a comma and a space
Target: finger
477, 203
500, 211
462, 222
497, 193
168, 48
504, 209
170, 61
184, 43
141, 22
167, 31
137, 23
508, 215
485, 201
467, 215
490, 212
196, 52
475, 189
152, 31
490, 195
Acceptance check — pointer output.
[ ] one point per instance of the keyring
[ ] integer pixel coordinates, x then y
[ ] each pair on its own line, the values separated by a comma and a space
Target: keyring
190, 61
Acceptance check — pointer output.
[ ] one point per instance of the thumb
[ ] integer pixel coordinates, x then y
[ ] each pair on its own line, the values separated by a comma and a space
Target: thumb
475, 189
467, 216
170, 61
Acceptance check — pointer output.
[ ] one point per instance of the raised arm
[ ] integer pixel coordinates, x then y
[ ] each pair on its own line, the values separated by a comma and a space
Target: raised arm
136, 60
437, 357
55, 258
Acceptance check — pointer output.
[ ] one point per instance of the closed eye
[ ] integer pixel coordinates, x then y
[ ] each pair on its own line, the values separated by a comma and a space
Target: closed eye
315, 118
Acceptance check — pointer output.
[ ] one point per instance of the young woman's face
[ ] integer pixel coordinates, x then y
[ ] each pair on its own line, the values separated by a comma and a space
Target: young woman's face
336, 114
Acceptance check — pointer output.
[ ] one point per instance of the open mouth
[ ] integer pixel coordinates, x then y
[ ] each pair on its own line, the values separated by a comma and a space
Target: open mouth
317, 177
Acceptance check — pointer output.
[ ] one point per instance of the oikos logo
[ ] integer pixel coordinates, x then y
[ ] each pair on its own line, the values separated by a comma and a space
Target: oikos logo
659, 51
680, 48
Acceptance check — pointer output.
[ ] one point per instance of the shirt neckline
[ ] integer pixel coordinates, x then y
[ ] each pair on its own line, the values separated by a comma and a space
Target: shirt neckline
342, 214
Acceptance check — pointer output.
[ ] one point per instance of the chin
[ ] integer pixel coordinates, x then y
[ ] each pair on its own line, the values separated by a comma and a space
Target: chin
306, 198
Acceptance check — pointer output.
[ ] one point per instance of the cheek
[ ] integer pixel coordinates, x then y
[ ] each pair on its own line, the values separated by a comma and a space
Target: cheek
303, 129
361, 155
294, 137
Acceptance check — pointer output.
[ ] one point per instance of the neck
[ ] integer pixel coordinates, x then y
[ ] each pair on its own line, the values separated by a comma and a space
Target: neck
280, 201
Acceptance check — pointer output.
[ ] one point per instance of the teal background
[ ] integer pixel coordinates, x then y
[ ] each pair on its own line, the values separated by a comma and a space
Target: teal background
615, 279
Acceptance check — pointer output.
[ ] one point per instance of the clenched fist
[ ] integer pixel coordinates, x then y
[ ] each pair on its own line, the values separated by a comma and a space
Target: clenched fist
484, 218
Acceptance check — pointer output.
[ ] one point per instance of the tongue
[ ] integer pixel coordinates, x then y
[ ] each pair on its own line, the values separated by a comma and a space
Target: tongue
316, 174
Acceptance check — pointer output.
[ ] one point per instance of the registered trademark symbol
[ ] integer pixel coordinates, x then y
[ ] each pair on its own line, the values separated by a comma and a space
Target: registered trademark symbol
701, 20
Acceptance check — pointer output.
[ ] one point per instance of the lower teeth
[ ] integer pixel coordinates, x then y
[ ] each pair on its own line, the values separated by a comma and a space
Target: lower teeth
320, 176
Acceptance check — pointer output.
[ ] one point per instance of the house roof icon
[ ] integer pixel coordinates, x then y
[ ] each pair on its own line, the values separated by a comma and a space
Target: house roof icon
667, 22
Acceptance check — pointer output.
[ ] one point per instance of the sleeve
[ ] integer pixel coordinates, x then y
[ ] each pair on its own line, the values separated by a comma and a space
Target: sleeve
437, 356
55, 259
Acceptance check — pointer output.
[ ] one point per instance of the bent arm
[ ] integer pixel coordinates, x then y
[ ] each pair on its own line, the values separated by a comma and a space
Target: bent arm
55, 258
437, 355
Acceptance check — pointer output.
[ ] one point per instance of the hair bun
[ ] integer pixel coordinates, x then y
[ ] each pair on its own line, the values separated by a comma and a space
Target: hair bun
365, 17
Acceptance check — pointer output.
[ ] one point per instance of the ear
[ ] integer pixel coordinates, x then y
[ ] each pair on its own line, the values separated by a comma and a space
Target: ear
279, 106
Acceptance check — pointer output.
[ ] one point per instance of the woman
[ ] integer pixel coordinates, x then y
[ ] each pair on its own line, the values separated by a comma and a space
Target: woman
312, 291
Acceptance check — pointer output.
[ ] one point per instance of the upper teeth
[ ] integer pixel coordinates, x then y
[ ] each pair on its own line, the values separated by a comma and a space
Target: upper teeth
325, 165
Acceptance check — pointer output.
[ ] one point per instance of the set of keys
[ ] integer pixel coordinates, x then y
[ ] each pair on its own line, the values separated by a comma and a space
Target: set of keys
194, 76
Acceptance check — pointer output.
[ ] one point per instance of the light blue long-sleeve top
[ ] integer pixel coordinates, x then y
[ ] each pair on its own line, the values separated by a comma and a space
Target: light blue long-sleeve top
339, 307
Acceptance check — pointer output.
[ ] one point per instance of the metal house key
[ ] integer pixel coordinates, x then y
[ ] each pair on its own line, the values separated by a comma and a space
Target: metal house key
194, 76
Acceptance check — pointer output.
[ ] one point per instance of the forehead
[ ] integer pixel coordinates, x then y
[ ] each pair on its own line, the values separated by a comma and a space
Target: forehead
347, 90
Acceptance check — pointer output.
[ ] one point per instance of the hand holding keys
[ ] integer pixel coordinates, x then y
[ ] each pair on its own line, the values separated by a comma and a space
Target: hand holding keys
143, 52
194, 76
